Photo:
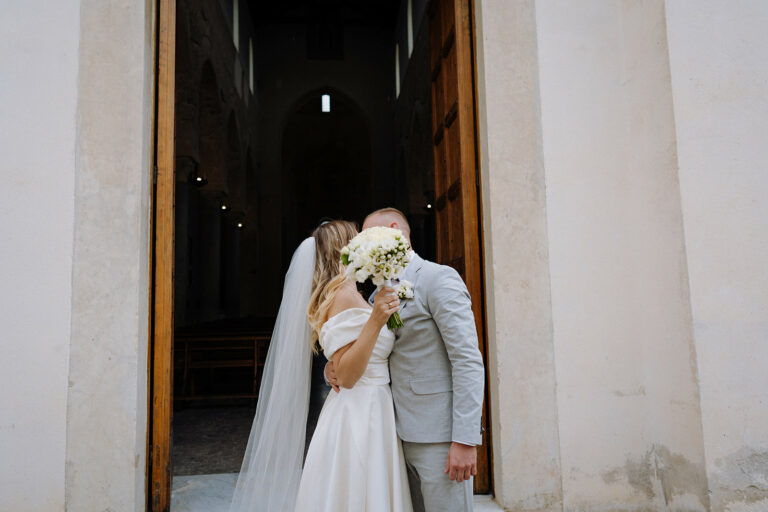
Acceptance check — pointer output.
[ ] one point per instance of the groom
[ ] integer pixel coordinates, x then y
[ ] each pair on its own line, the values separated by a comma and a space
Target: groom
437, 381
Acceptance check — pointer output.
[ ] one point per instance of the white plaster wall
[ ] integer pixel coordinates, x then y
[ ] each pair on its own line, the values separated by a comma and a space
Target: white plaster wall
718, 54
628, 403
38, 101
107, 400
526, 459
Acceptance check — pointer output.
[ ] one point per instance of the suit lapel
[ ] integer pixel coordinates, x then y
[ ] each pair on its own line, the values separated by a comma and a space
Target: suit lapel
411, 274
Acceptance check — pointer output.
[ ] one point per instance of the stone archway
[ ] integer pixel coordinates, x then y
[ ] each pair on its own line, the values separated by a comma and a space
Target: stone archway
326, 164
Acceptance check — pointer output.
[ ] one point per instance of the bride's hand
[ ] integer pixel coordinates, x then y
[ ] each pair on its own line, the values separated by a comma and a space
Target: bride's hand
385, 304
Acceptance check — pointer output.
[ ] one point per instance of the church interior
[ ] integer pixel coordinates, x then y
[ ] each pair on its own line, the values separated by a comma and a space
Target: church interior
287, 113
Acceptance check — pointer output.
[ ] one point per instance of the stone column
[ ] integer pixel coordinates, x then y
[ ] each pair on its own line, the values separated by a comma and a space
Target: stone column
627, 391
208, 274
230, 265
718, 53
526, 454
107, 394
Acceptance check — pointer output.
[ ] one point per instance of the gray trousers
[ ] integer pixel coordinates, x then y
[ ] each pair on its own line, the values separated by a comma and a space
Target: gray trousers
431, 489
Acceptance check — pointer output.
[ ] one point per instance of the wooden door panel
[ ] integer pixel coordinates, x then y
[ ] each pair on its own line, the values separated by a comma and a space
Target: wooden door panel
453, 164
447, 21
450, 91
456, 174
437, 104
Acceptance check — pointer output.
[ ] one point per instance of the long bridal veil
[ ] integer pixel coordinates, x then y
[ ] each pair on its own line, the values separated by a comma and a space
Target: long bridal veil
271, 470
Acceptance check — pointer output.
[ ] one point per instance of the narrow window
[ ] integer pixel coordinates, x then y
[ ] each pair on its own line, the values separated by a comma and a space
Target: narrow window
410, 28
250, 64
325, 103
236, 23
397, 70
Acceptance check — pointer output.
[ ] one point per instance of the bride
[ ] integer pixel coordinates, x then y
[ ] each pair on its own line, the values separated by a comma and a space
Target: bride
355, 460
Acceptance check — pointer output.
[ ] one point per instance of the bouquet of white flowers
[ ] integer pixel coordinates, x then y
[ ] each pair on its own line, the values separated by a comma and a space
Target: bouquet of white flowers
380, 254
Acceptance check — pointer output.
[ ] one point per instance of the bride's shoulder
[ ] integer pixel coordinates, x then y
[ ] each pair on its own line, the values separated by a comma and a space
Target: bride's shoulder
344, 299
347, 297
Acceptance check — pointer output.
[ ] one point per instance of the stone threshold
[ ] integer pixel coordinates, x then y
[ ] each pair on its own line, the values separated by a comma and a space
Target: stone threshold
211, 493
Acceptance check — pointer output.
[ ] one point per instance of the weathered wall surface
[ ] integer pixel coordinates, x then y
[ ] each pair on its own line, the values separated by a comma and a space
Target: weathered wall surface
38, 102
628, 398
718, 52
107, 389
524, 429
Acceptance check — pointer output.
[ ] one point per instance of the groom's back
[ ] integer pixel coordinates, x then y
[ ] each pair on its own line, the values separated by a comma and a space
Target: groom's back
421, 362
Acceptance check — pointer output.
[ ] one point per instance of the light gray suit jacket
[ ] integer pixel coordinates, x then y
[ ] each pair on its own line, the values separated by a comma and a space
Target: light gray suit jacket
436, 368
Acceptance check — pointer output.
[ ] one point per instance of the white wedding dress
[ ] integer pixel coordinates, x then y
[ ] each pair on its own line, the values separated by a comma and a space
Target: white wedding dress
355, 460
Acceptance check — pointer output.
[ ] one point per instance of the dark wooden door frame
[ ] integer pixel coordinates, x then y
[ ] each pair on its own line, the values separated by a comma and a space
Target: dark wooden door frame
488, 434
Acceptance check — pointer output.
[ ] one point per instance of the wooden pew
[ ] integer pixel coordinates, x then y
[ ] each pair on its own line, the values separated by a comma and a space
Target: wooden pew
231, 348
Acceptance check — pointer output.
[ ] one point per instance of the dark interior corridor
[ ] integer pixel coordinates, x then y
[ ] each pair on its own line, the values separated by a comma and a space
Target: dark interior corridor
287, 113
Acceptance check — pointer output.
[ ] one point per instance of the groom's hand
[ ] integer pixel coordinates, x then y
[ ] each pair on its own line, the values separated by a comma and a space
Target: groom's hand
330, 374
462, 462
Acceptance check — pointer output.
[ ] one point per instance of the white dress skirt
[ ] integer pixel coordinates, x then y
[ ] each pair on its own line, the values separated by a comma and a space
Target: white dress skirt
355, 460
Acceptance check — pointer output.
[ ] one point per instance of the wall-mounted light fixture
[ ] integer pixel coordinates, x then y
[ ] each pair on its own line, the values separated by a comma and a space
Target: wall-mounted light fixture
240, 219
191, 167
325, 103
429, 200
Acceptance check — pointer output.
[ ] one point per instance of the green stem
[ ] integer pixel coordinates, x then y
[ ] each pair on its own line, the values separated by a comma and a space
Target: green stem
394, 321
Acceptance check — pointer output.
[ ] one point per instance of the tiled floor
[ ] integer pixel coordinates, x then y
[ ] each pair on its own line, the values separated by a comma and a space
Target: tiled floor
210, 440
202, 493
211, 493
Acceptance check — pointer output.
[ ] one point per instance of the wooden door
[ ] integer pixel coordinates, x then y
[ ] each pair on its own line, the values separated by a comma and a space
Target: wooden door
457, 204
161, 294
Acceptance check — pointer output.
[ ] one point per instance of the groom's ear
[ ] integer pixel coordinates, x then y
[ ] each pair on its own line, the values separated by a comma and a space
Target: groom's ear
405, 229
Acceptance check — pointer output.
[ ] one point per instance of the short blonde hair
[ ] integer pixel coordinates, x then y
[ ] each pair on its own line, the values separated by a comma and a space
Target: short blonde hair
393, 211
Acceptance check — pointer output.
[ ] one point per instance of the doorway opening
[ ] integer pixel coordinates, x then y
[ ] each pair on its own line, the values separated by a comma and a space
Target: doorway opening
273, 116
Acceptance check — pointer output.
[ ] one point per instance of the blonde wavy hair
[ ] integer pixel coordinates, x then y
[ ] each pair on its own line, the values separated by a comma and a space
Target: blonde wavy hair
329, 275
